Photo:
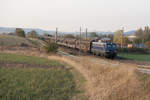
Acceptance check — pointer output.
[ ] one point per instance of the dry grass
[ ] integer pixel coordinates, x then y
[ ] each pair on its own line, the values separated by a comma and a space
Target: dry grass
8, 40
106, 80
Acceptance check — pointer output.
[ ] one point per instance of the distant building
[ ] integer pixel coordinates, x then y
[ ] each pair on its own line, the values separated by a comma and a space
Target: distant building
131, 37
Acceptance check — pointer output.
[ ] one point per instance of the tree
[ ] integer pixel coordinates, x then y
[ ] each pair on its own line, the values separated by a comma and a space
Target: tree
117, 37
50, 47
69, 36
147, 44
146, 34
110, 36
139, 35
125, 40
20, 32
47, 35
32, 34
142, 35
93, 34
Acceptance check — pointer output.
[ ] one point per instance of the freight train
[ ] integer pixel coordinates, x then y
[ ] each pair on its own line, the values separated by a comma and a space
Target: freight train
100, 48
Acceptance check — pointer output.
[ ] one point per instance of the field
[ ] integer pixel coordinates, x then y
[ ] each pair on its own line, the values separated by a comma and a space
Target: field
110, 80
14, 41
135, 56
39, 76
32, 78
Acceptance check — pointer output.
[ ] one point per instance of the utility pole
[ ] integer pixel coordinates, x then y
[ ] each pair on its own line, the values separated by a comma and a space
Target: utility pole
86, 33
56, 35
80, 41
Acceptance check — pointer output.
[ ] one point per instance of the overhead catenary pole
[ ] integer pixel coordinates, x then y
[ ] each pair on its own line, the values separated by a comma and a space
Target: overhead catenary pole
86, 33
56, 35
80, 41
122, 31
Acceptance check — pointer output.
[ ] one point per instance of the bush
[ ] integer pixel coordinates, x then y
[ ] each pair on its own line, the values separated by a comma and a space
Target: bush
69, 36
147, 44
50, 47
134, 50
33, 34
20, 32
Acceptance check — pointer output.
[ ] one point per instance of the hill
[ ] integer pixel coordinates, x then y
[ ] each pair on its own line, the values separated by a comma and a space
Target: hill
12, 29
15, 41
41, 31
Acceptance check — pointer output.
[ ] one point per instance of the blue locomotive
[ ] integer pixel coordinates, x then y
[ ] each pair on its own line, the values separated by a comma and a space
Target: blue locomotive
108, 50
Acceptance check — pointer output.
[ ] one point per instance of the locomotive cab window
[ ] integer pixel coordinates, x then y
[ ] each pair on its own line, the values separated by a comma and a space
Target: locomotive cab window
109, 46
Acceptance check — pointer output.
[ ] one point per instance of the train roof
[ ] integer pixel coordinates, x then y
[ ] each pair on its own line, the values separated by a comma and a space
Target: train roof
99, 43
102, 43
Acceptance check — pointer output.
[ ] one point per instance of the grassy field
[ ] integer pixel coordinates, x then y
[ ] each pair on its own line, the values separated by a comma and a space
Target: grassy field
135, 56
8, 40
23, 82
27, 59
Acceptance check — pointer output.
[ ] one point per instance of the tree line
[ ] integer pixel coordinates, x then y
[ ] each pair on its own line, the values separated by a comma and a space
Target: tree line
142, 36
21, 33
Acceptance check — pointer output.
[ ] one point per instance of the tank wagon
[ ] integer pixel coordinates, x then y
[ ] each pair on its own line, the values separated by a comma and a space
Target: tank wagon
101, 48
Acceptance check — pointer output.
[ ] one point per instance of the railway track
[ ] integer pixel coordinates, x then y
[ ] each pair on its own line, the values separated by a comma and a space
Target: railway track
141, 66
76, 53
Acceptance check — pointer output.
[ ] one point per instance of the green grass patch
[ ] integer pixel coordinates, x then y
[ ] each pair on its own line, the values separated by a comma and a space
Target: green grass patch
27, 59
135, 56
8, 40
35, 83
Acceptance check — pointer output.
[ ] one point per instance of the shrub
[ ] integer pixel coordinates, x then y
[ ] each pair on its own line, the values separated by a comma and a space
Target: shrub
69, 36
20, 32
134, 50
147, 44
50, 47
33, 34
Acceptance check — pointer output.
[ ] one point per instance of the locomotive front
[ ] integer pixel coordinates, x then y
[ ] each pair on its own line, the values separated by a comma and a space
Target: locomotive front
111, 50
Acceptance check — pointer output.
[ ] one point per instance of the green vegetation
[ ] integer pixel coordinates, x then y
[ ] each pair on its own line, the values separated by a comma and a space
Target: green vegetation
134, 50
135, 56
142, 35
34, 83
20, 32
27, 59
147, 44
69, 36
33, 34
119, 38
8, 40
50, 47
15, 41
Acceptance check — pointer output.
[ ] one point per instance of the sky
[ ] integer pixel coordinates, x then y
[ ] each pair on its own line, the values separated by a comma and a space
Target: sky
70, 15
